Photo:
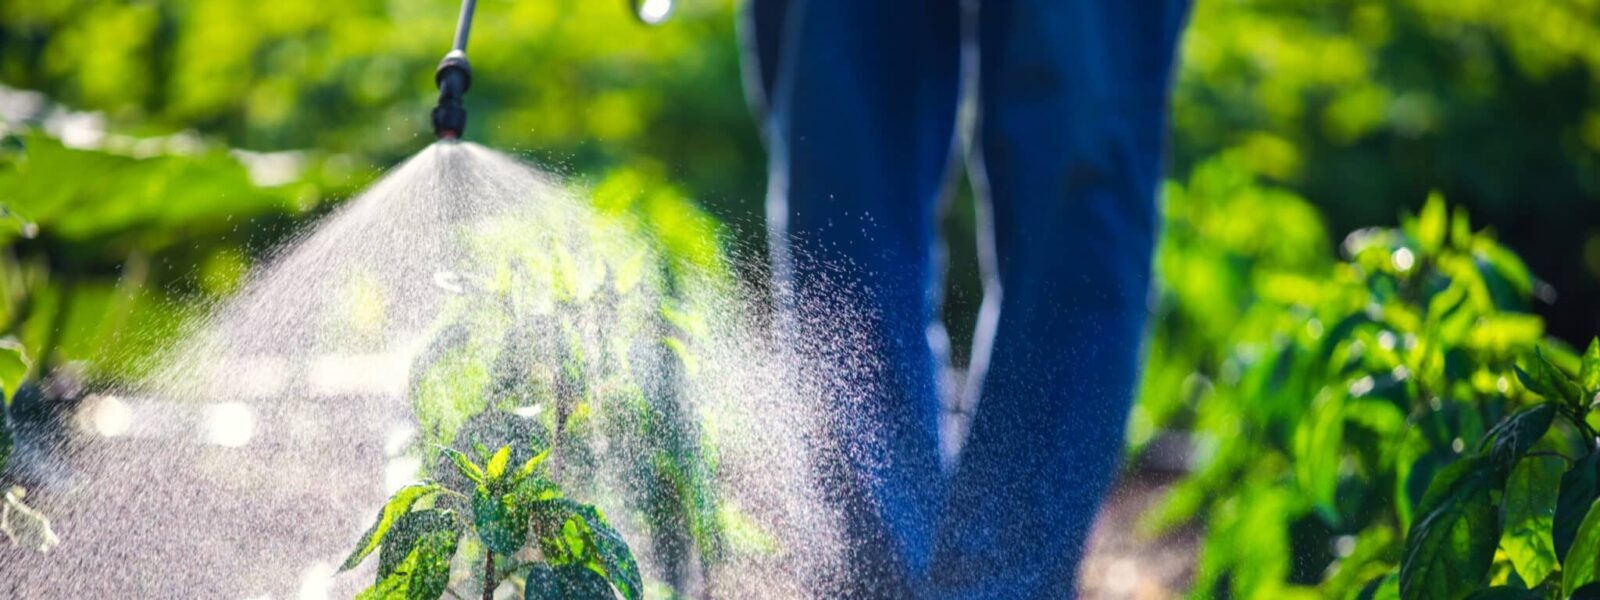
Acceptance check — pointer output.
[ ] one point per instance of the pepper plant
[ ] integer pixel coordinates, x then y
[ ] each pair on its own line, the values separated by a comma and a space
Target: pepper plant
527, 528
1323, 397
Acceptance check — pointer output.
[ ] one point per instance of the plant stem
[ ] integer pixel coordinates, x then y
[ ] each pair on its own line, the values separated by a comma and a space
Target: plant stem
488, 574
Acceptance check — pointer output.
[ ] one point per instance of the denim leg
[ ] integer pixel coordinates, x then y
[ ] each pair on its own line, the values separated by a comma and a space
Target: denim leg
860, 126
1073, 96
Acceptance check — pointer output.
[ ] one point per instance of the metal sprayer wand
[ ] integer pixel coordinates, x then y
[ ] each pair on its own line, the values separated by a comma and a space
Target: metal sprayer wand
454, 77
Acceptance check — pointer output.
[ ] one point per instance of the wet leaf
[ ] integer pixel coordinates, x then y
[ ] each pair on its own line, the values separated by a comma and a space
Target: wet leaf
496, 466
502, 523
397, 505
468, 469
422, 574
421, 526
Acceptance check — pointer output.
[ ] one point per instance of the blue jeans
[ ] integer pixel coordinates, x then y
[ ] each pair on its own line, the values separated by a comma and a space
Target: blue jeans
858, 101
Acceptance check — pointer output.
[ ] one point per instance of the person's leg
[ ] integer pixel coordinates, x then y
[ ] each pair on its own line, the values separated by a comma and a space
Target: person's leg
860, 121
1073, 97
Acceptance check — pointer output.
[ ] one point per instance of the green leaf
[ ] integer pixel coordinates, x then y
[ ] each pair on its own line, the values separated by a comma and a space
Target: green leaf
1583, 560
1528, 511
468, 469
501, 520
1515, 435
1547, 380
579, 582
1318, 443
615, 558
422, 574
1432, 224
541, 584
527, 468
1382, 588
1579, 487
398, 504
410, 529
1589, 372
1449, 551
13, 368
497, 463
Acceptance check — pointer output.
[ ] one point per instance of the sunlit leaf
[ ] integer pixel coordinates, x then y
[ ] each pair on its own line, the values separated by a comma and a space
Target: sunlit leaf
468, 469
13, 368
1589, 372
413, 528
1528, 511
398, 504
1583, 560
496, 466
422, 574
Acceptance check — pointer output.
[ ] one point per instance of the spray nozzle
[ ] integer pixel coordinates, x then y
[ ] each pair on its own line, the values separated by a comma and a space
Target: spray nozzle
453, 77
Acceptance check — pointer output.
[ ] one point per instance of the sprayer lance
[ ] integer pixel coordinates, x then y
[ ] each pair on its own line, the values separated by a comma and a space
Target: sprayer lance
454, 77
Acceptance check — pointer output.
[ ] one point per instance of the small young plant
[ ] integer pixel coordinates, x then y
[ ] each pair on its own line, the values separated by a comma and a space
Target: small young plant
528, 529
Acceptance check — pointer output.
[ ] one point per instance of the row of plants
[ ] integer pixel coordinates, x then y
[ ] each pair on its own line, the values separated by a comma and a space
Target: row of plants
1392, 424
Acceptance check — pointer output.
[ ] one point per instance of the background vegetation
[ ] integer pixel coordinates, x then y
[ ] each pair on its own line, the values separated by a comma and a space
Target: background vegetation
152, 150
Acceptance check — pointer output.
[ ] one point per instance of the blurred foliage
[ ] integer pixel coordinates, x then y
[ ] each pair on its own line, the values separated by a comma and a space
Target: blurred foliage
1362, 106
1323, 396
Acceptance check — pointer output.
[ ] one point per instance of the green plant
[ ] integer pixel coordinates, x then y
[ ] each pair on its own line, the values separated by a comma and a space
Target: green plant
1517, 518
526, 527
1323, 396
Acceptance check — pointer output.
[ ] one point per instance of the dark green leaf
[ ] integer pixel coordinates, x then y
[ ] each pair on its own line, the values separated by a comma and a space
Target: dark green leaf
1504, 593
578, 582
1580, 485
502, 522
424, 572
1528, 511
541, 584
1583, 560
615, 558
397, 505
1449, 480
1515, 435
409, 530
1449, 550
1546, 379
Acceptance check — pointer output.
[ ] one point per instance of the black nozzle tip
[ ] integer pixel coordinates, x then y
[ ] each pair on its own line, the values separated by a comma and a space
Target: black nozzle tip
454, 77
